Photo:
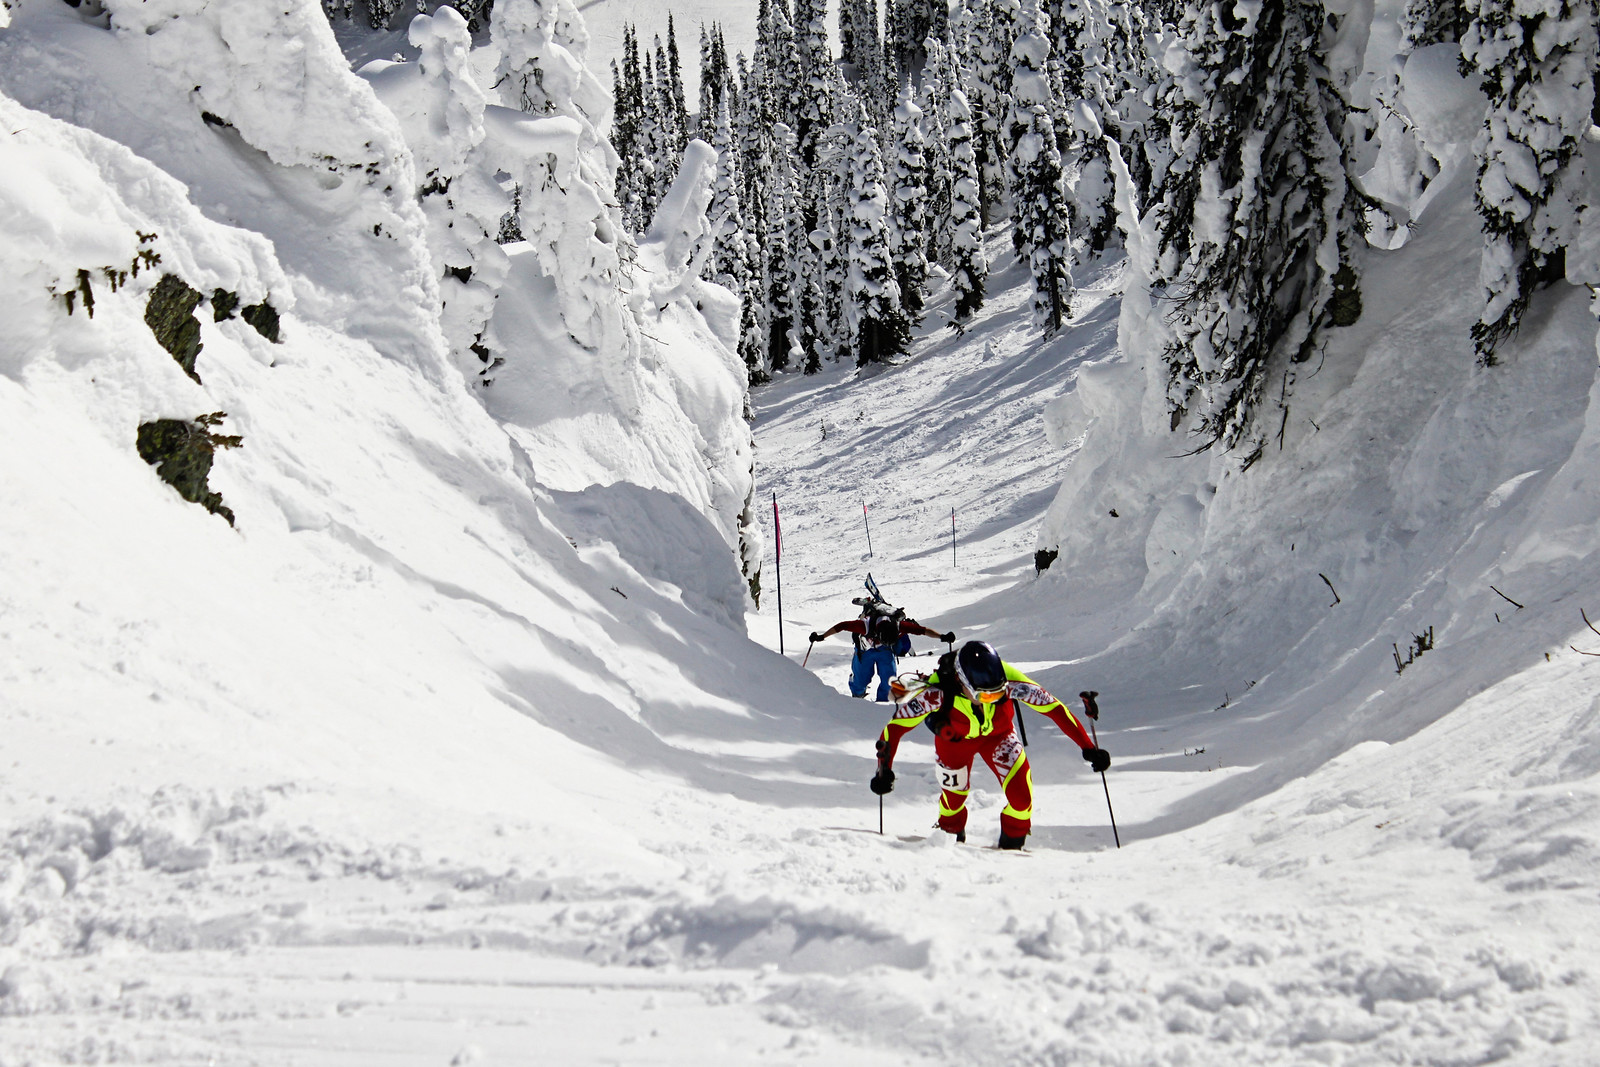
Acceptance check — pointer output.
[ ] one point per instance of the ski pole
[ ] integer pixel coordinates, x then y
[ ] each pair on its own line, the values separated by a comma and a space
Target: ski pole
808, 654
880, 814
1092, 709
868, 525
952, 537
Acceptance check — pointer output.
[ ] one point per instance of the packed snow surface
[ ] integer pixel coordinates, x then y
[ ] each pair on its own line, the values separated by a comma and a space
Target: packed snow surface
440, 754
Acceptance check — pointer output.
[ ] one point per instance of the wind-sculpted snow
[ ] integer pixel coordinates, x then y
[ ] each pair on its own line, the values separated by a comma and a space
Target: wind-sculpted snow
263, 122
445, 752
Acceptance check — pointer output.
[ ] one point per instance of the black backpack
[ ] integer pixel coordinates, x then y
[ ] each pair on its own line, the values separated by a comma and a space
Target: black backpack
875, 613
945, 681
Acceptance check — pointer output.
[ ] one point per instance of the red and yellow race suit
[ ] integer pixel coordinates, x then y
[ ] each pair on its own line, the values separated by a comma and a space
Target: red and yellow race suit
968, 729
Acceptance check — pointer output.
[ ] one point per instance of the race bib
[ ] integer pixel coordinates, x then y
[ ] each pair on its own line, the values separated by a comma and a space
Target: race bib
955, 779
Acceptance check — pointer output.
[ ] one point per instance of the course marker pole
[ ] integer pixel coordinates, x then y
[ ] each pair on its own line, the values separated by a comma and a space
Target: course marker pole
777, 556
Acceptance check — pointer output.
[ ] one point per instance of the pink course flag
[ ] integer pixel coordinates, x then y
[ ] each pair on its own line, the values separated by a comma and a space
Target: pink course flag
777, 530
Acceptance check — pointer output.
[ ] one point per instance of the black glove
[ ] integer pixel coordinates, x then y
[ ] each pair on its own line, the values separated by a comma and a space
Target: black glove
883, 781
948, 638
1090, 708
815, 637
1099, 759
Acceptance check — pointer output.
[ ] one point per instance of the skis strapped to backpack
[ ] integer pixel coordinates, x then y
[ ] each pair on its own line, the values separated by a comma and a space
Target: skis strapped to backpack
874, 610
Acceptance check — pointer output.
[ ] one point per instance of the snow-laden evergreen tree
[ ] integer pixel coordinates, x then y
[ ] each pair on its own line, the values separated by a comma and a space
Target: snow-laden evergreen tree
1039, 213
861, 54
1085, 87
774, 66
938, 82
1257, 220
635, 177
680, 108
875, 315
814, 77
716, 78
785, 232
1135, 75
476, 12
908, 25
908, 206
988, 28
565, 170
660, 131
969, 264
380, 12
729, 266
1537, 61
1434, 22
441, 112
669, 90
811, 325
1032, 90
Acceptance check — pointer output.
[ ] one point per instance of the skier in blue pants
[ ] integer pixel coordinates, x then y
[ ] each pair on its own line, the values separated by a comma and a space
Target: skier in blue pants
879, 643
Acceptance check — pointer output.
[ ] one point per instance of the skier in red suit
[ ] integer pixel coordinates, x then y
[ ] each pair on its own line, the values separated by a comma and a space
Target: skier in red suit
971, 704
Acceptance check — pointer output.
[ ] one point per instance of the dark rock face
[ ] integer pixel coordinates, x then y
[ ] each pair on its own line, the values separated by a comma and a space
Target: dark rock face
170, 316
181, 452
264, 317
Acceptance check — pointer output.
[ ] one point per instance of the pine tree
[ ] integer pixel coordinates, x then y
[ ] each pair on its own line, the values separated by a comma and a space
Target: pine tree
1537, 64
1434, 22
1032, 91
729, 266
380, 12
988, 31
568, 213
908, 220
969, 266
861, 53
784, 234
627, 135
1084, 86
1042, 221
680, 110
814, 78
813, 253
874, 312
938, 85
1256, 222
461, 202
941, 82
909, 24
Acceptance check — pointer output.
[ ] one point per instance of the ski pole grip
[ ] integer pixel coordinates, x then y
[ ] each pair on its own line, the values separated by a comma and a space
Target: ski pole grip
1090, 708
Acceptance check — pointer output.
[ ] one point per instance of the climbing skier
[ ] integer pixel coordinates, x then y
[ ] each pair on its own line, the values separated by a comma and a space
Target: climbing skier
881, 635
971, 703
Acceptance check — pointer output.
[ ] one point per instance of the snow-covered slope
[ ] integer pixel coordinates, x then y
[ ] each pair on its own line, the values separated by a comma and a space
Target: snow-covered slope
434, 756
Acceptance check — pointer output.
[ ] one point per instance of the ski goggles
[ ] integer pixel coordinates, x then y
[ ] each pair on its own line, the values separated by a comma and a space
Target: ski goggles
984, 695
